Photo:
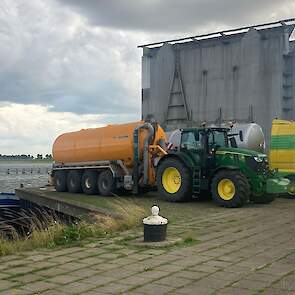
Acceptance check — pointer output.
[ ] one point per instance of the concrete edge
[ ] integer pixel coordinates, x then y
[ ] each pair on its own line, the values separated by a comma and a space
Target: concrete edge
72, 208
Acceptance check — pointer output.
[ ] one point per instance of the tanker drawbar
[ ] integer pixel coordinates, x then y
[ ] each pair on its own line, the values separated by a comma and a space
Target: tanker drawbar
105, 160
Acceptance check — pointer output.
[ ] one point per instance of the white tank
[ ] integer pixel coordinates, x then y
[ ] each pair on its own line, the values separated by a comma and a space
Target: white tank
253, 137
174, 139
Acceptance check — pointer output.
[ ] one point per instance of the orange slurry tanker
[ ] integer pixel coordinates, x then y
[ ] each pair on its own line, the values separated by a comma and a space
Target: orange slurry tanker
105, 160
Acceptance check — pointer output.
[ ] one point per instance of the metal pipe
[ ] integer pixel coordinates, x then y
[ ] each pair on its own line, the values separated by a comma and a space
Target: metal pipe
135, 160
286, 41
145, 153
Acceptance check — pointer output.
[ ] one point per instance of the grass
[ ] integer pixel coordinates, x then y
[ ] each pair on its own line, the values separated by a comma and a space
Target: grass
50, 232
188, 241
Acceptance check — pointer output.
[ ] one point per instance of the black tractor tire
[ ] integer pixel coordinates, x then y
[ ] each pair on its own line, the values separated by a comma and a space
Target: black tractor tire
184, 193
106, 183
60, 181
262, 199
241, 192
89, 182
74, 181
291, 192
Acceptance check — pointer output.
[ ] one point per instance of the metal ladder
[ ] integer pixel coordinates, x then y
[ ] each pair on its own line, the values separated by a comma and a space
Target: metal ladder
177, 109
197, 181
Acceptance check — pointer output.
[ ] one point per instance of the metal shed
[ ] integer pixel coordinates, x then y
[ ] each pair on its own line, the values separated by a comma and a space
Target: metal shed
246, 74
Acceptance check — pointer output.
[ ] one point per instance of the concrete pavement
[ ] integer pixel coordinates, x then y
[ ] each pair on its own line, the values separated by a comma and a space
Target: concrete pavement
238, 251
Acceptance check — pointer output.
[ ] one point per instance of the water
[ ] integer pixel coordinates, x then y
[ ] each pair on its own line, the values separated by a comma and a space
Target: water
22, 220
14, 173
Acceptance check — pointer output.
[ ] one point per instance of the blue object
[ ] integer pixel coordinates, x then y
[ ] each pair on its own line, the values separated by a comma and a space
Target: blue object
8, 200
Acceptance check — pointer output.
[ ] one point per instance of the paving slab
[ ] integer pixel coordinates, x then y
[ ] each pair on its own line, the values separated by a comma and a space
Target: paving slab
75, 288
5, 284
38, 287
63, 279
152, 289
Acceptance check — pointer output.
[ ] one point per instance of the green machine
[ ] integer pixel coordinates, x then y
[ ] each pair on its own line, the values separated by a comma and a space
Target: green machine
207, 160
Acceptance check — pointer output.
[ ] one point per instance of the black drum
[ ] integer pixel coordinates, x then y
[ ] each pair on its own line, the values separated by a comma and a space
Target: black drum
155, 232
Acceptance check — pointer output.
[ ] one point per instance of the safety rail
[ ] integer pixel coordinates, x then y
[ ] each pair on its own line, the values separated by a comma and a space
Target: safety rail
225, 33
16, 171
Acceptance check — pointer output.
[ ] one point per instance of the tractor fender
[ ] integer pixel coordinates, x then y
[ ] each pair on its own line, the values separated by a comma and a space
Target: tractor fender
222, 168
177, 155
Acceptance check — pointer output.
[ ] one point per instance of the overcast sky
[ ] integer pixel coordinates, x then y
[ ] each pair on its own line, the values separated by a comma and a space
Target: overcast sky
72, 64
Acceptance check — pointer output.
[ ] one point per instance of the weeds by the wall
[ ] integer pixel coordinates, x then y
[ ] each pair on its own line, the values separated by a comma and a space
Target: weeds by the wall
47, 230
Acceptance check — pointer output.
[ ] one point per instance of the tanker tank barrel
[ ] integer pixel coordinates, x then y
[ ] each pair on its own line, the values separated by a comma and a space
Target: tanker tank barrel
123, 150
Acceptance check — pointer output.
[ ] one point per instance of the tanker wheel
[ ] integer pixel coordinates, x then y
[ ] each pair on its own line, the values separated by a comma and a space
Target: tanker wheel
89, 182
230, 189
262, 199
60, 181
74, 181
174, 181
106, 183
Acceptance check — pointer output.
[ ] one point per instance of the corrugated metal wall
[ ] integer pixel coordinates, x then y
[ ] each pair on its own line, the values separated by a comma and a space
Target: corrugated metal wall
243, 77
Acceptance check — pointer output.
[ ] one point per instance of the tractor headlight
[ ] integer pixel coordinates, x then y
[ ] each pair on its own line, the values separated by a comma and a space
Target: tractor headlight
258, 159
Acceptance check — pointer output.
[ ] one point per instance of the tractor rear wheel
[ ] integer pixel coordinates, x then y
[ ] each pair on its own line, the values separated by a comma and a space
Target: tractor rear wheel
230, 189
174, 181
262, 199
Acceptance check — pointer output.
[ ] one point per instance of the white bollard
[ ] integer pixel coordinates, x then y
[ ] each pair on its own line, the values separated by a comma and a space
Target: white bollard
155, 226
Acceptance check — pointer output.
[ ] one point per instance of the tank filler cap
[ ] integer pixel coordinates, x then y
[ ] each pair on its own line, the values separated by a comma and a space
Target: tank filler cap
155, 218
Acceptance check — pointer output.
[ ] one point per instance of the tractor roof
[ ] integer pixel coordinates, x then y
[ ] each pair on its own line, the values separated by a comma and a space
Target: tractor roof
206, 129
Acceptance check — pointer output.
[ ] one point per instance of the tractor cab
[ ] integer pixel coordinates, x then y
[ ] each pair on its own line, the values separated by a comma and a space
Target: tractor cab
203, 139
201, 144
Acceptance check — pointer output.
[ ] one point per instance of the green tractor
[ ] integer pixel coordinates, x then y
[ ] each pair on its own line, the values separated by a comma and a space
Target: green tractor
206, 160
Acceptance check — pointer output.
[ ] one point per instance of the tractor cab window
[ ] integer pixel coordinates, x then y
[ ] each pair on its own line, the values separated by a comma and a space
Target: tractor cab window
191, 140
217, 138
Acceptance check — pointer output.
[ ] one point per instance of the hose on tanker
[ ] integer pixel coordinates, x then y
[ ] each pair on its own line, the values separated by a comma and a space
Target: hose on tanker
145, 151
147, 141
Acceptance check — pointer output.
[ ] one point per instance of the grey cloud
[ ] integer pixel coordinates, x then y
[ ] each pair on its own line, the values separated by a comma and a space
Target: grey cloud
180, 16
50, 56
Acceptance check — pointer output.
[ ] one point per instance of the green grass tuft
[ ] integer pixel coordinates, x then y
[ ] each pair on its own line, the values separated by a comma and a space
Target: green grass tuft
188, 241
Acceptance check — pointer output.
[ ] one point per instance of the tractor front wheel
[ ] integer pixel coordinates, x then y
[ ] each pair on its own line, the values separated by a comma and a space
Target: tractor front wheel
230, 189
174, 181
291, 190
